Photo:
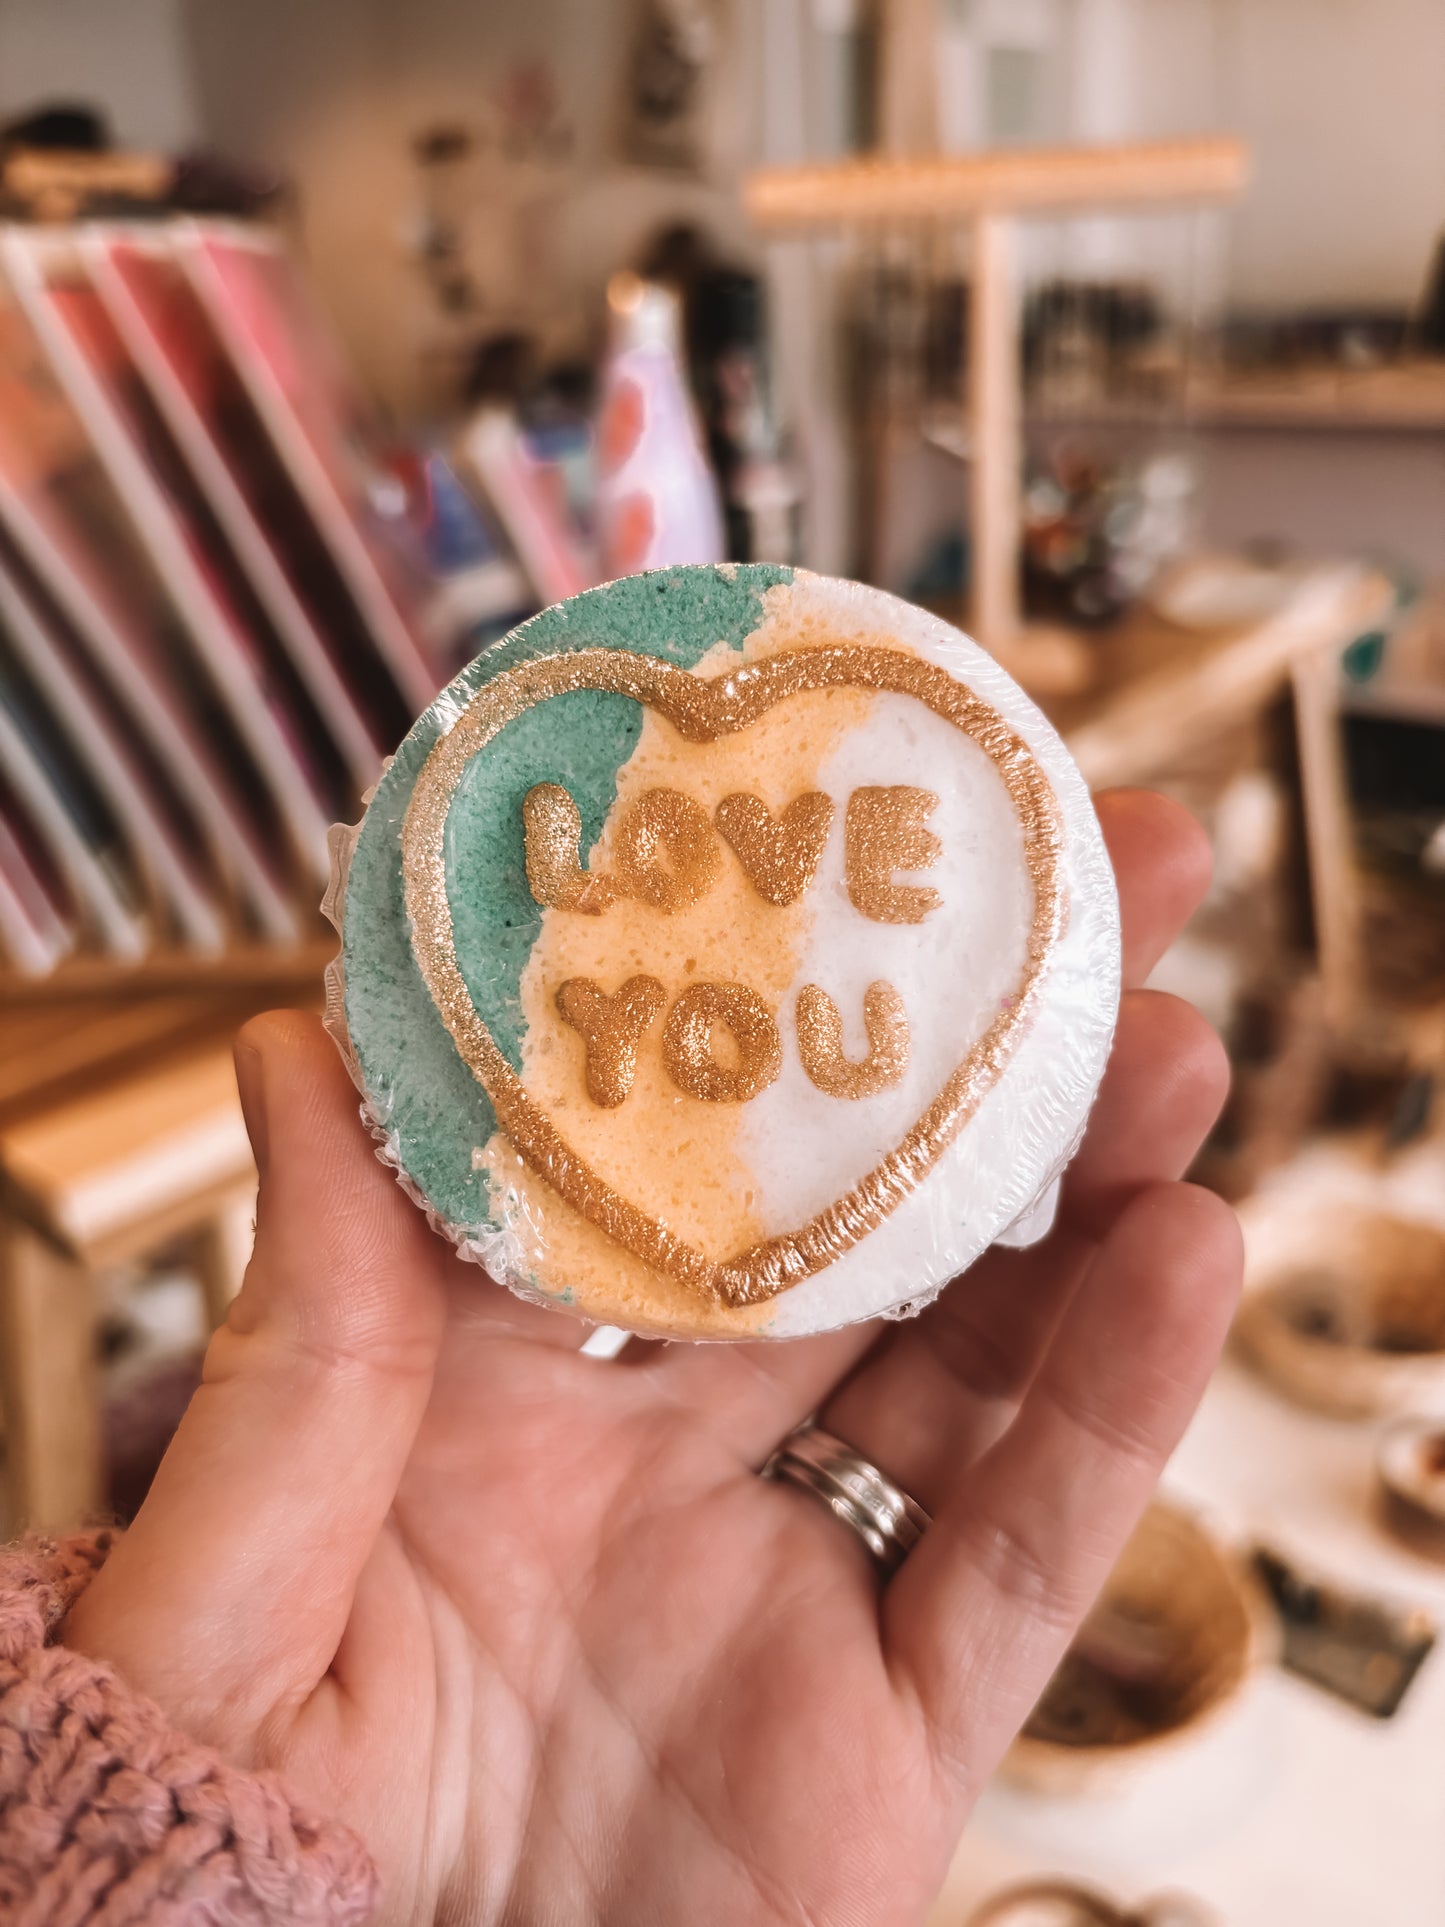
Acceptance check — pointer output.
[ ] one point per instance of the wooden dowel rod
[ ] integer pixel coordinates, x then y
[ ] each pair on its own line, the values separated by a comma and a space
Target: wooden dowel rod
1016, 180
993, 405
1329, 840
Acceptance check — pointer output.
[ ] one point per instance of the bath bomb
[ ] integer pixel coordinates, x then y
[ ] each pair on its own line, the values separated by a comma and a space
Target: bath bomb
728, 952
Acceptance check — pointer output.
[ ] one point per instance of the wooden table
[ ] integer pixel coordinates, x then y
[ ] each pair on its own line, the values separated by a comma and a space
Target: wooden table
120, 1132
1161, 690
1398, 397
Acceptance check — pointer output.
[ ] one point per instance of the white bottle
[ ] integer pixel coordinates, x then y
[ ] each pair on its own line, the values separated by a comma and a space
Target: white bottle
657, 496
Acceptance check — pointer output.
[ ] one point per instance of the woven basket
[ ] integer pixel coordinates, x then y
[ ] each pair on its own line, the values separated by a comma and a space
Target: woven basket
1349, 1318
1176, 1634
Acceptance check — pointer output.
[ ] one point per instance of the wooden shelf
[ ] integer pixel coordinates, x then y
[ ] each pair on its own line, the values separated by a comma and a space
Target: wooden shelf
246, 967
990, 193
1404, 398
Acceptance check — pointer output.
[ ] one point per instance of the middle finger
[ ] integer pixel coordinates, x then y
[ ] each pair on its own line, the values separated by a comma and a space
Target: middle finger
938, 1391
750, 1394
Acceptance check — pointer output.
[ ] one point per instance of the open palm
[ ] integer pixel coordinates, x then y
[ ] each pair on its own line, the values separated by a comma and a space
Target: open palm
529, 1621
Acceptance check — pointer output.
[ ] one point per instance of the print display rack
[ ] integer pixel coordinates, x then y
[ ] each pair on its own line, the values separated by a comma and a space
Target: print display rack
212, 619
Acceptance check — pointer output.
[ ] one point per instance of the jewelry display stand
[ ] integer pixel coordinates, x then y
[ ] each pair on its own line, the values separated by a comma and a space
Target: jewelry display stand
989, 194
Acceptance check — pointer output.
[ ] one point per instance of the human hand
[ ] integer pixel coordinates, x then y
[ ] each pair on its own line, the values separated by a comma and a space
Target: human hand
530, 1622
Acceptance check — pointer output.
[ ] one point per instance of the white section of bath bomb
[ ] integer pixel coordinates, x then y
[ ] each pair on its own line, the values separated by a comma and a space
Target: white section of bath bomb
1012, 1150
951, 970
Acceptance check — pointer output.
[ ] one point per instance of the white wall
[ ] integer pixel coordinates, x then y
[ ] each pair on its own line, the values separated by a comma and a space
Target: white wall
126, 55
299, 85
333, 90
1343, 102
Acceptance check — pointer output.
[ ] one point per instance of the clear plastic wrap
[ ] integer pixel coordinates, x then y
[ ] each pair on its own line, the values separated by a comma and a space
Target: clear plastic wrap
729, 952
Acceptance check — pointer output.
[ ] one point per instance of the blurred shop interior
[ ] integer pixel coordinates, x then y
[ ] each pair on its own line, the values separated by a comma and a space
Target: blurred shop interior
337, 338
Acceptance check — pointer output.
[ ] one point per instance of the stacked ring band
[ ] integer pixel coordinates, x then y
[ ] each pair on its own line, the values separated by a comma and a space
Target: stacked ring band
888, 1522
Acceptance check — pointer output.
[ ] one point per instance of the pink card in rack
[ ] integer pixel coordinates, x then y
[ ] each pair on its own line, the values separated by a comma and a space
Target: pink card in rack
285, 357
268, 707
174, 346
61, 519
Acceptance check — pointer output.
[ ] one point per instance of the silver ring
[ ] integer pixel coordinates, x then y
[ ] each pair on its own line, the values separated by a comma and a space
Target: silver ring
888, 1522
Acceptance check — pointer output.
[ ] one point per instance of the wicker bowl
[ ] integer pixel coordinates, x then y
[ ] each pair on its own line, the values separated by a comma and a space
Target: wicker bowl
1063, 1903
1176, 1634
1349, 1315
1410, 1462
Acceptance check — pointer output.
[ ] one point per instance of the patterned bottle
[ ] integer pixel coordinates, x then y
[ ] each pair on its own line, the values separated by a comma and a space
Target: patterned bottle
657, 497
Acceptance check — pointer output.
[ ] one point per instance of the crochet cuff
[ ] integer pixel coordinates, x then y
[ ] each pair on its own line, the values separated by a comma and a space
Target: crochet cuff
109, 1815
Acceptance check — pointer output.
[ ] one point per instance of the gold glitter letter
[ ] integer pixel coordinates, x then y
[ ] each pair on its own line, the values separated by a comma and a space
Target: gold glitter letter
552, 837
885, 833
611, 1029
780, 854
687, 1040
820, 1042
662, 822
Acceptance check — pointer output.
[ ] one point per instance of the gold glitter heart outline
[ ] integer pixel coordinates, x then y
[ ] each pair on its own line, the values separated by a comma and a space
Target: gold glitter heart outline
701, 709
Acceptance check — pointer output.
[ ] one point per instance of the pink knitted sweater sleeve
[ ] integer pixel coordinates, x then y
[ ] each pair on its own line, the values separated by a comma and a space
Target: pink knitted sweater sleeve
108, 1815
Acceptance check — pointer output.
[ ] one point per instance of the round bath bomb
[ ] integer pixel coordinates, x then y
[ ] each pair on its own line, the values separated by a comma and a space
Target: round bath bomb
728, 951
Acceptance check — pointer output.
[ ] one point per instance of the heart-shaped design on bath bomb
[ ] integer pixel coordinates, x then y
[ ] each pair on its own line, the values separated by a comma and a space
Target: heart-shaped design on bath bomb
703, 709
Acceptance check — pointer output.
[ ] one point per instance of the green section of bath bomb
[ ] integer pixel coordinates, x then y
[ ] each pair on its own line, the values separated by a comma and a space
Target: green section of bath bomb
414, 1078
579, 740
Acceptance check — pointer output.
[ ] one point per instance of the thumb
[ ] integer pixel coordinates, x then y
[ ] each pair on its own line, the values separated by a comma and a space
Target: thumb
230, 1592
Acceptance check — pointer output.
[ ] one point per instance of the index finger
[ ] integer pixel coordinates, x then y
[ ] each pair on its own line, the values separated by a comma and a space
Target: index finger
1162, 862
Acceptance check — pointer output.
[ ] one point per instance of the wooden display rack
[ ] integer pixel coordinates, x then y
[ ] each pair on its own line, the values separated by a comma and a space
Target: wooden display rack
989, 193
285, 971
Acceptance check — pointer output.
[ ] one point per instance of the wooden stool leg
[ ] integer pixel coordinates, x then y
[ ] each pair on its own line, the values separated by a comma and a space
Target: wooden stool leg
223, 1250
49, 1384
1329, 842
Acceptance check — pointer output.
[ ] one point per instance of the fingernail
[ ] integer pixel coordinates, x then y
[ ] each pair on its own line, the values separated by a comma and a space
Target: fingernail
251, 1083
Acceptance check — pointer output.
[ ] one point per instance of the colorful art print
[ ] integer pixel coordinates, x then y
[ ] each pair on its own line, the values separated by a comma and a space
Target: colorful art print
62, 522
140, 800
70, 820
174, 345
270, 712
37, 923
528, 499
291, 370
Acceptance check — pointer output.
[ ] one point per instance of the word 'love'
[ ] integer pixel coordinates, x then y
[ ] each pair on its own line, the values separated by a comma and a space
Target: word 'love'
667, 850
